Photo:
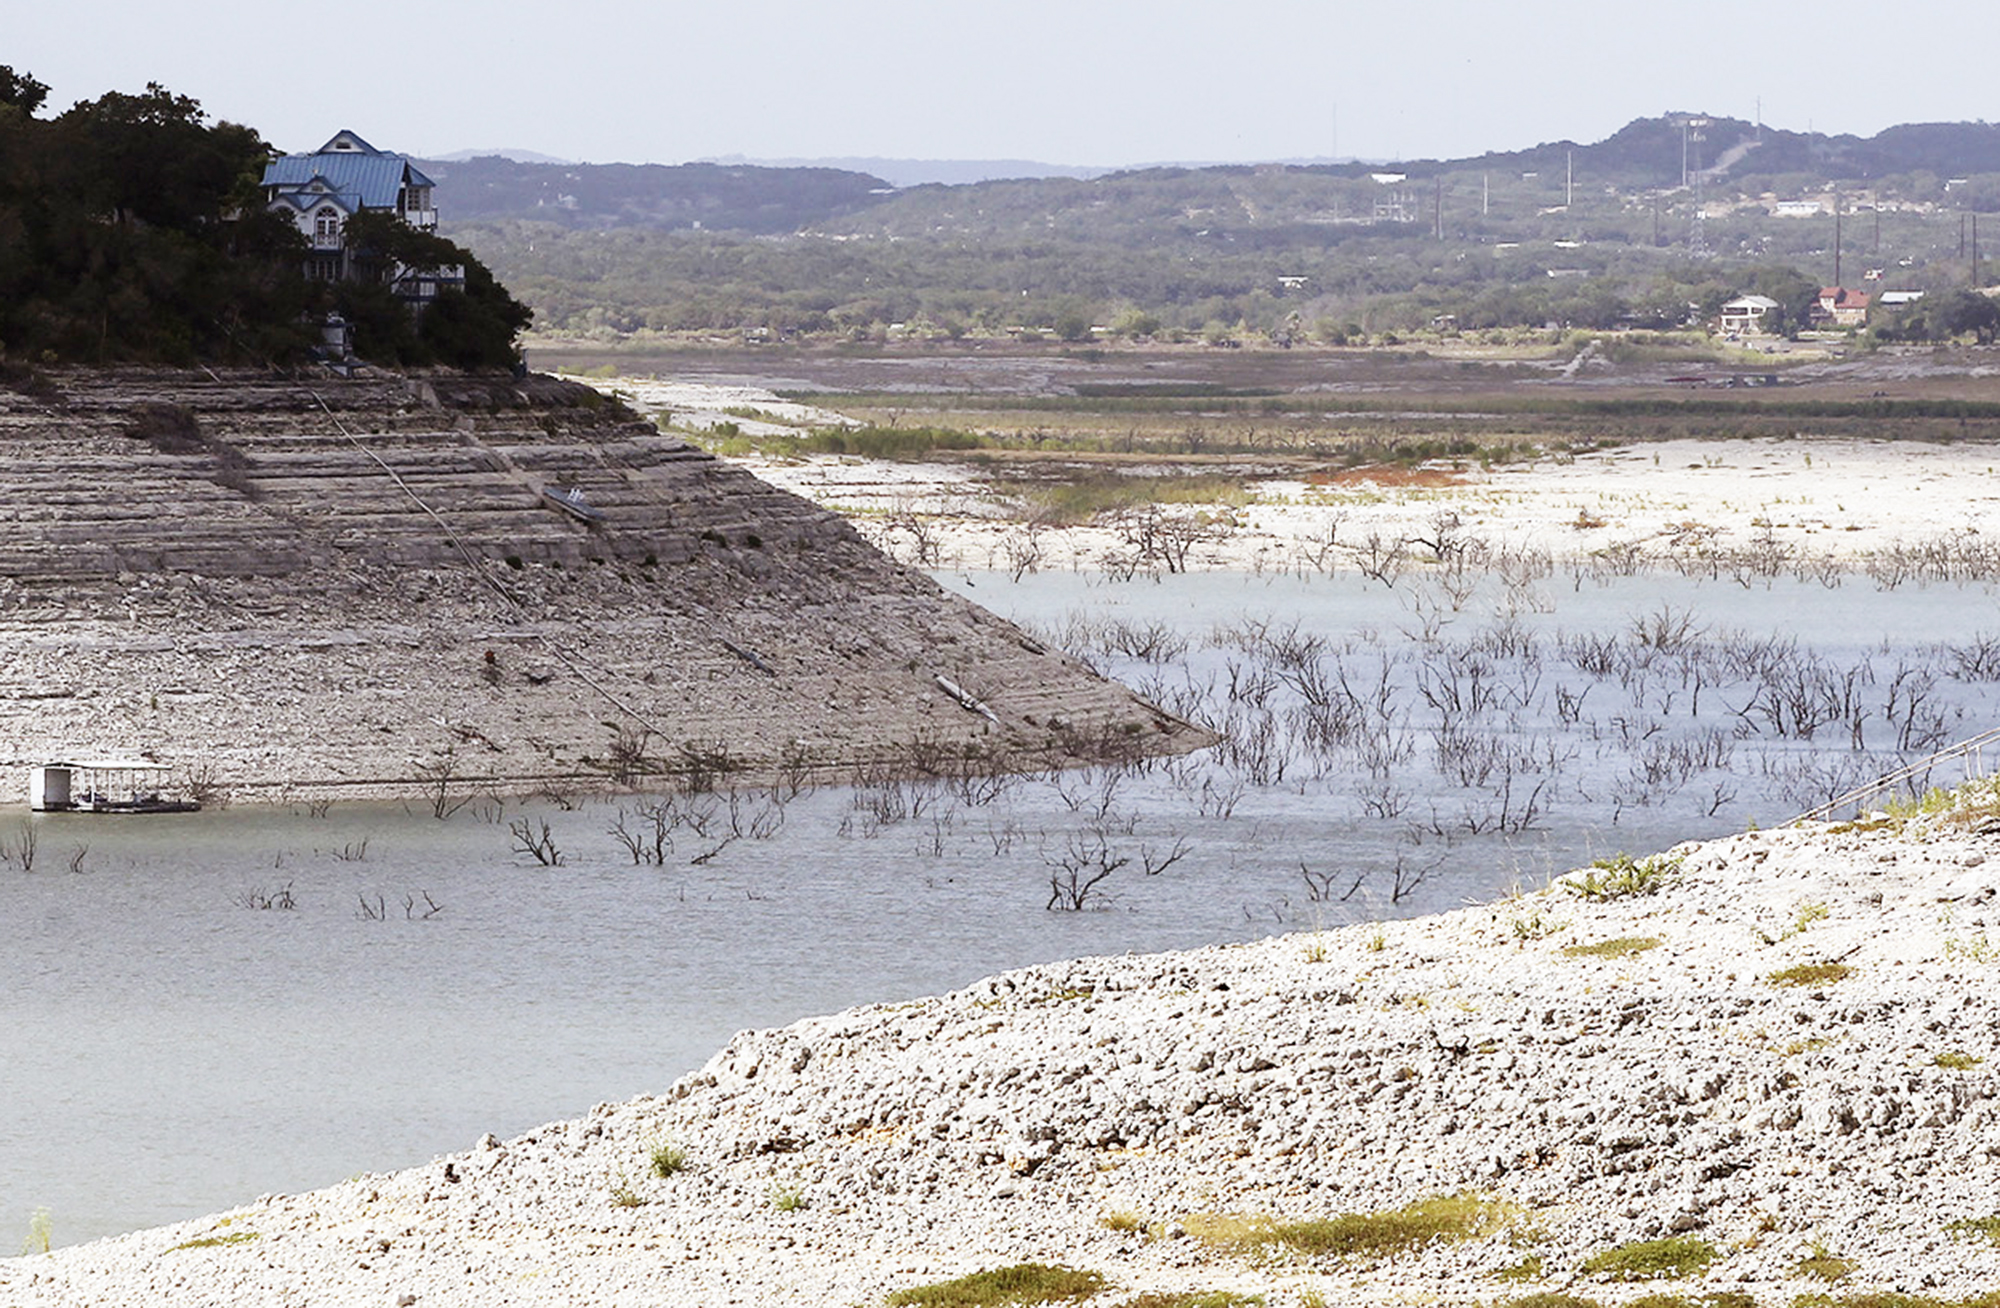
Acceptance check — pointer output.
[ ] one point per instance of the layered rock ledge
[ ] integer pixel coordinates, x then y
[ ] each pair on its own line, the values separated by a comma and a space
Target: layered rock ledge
289, 588
1104, 1113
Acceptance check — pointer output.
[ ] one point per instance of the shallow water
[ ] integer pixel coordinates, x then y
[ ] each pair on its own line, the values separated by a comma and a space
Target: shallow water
170, 1050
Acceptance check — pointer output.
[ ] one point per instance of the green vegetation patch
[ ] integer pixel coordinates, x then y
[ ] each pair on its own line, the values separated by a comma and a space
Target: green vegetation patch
1193, 1299
214, 1241
1624, 877
1022, 1283
1822, 1264
1811, 974
890, 442
1988, 1227
1367, 1235
1648, 1260
1957, 1060
1891, 1299
1528, 1269
1618, 948
1720, 1299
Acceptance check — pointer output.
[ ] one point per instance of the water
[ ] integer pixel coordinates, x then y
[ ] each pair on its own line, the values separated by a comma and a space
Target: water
171, 1049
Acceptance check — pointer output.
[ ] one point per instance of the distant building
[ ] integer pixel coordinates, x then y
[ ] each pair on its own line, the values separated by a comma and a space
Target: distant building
1747, 315
1898, 299
1839, 307
347, 176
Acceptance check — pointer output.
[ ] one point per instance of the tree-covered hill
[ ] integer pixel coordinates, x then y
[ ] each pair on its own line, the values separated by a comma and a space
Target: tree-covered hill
132, 229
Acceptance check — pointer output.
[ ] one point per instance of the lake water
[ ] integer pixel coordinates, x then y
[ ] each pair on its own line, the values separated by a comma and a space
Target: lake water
170, 1048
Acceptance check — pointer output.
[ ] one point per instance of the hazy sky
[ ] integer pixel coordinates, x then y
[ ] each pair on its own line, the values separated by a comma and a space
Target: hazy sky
1101, 82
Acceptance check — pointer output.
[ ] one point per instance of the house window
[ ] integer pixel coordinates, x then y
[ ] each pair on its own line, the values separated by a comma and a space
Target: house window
326, 226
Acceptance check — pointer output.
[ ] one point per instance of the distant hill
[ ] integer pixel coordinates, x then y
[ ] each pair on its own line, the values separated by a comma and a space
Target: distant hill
517, 156
740, 197
782, 196
927, 172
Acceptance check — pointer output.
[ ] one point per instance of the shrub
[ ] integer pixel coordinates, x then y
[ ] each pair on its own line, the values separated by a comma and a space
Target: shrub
1957, 1060
1646, 1260
1624, 877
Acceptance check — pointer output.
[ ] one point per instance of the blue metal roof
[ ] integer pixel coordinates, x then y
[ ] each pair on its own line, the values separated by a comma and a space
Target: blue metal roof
372, 178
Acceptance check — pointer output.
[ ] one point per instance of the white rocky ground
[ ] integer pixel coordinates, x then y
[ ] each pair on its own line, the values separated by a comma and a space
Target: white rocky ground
1613, 1098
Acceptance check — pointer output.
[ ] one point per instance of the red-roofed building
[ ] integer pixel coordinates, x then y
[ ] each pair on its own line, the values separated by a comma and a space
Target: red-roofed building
1840, 307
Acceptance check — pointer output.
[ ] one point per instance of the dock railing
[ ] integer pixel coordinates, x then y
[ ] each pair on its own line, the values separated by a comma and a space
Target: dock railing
1972, 749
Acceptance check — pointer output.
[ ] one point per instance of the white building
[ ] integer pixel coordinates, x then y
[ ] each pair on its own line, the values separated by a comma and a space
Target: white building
1746, 315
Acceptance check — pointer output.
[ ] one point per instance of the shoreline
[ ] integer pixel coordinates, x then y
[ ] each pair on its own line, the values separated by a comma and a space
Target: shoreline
1537, 1051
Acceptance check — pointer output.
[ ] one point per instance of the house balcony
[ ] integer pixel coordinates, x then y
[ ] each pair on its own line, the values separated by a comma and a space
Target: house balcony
424, 220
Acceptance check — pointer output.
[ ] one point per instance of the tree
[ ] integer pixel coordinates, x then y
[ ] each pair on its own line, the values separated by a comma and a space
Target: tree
1969, 312
470, 328
21, 91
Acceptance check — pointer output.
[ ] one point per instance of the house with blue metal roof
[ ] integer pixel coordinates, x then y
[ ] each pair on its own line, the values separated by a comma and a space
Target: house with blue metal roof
346, 176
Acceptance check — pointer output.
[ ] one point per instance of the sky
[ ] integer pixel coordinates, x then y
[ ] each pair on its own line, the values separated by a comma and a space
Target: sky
1076, 82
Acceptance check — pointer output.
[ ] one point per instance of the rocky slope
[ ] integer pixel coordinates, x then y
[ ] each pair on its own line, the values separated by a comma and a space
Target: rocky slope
1645, 1065
354, 586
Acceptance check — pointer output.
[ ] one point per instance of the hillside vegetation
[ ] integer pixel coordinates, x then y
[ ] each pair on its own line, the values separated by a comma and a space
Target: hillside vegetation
1653, 227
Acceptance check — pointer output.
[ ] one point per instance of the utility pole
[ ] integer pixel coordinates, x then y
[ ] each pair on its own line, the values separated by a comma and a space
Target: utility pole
1569, 179
1437, 209
1836, 238
1975, 251
1485, 195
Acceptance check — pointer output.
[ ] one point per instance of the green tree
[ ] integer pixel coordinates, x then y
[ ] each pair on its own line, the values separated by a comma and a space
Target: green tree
21, 91
1968, 313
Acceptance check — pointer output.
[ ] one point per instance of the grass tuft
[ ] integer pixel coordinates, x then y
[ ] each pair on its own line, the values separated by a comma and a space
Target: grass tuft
1647, 1260
1822, 1264
1988, 1227
1365, 1235
1193, 1299
215, 1241
1811, 974
666, 1159
40, 1229
1618, 948
1957, 1060
1022, 1283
